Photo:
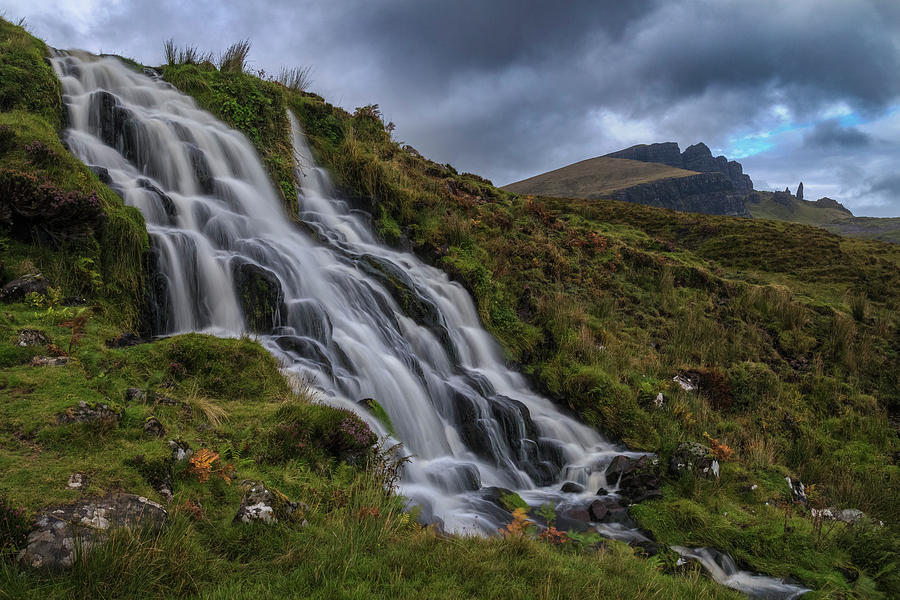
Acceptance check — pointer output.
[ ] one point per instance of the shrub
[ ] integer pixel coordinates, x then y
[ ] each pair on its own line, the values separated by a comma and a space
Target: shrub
750, 383
39, 211
313, 431
14, 528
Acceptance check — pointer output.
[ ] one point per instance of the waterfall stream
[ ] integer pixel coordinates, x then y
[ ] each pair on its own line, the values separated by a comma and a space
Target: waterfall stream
350, 316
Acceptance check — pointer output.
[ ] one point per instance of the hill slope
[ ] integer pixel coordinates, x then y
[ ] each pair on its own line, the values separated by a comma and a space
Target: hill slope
595, 178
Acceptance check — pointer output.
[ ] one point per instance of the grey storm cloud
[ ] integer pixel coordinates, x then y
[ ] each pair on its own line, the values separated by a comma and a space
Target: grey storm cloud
830, 133
511, 88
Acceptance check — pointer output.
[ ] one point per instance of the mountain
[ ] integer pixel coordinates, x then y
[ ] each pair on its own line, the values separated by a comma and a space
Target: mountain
696, 181
654, 175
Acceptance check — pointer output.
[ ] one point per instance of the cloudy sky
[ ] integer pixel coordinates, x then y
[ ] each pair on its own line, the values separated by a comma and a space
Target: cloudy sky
799, 90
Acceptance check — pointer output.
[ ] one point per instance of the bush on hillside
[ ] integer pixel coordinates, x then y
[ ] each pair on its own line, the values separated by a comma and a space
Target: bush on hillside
38, 211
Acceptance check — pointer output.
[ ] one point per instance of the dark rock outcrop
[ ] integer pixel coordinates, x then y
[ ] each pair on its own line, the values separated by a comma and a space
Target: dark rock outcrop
32, 337
93, 412
260, 295
17, 289
636, 477
799, 193
691, 457
695, 158
666, 153
710, 193
58, 533
268, 506
827, 202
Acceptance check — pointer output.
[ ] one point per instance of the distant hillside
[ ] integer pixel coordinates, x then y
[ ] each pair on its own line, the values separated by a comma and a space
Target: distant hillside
653, 175
696, 181
824, 212
595, 178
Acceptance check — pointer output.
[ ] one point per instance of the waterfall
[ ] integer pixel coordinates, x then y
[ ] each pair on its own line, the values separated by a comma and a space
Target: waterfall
340, 310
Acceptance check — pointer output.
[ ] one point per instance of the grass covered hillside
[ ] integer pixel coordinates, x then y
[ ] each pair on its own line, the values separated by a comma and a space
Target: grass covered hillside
595, 178
791, 332
195, 423
825, 213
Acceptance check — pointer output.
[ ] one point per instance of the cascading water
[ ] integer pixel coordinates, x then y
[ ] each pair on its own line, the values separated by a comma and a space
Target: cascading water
341, 311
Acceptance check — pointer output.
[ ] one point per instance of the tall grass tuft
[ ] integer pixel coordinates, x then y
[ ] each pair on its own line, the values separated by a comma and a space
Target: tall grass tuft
841, 336
859, 306
295, 78
234, 59
189, 55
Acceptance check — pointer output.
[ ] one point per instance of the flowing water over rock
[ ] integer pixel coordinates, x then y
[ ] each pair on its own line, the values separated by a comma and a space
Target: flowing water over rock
340, 310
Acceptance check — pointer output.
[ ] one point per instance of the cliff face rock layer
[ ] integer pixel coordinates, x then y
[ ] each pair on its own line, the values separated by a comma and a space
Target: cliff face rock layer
710, 193
695, 158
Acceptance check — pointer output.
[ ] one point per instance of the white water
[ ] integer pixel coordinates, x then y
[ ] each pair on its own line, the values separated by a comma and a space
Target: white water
213, 217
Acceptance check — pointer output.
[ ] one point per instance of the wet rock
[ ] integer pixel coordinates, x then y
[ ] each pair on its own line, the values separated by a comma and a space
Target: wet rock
57, 534
91, 412
31, 337
102, 173
798, 490
455, 477
125, 340
135, 395
153, 428
260, 294
573, 516
168, 205
49, 361
602, 492
598, 509
268, 506
694, 458
201, 169
77, 481
636, 477
18, 289
494, 495
570, 487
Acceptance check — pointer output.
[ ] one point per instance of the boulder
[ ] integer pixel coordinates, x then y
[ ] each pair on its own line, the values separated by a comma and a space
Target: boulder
49, 361
91, 412
636, 478
125, 340
260, 295
268, 506
31, 337
18, 289
570, 487
153, 428
58, 533
694, 458
135, 395
77, 481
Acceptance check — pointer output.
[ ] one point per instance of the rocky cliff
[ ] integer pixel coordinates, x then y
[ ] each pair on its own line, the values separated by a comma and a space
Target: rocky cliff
695, 158
711, 193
